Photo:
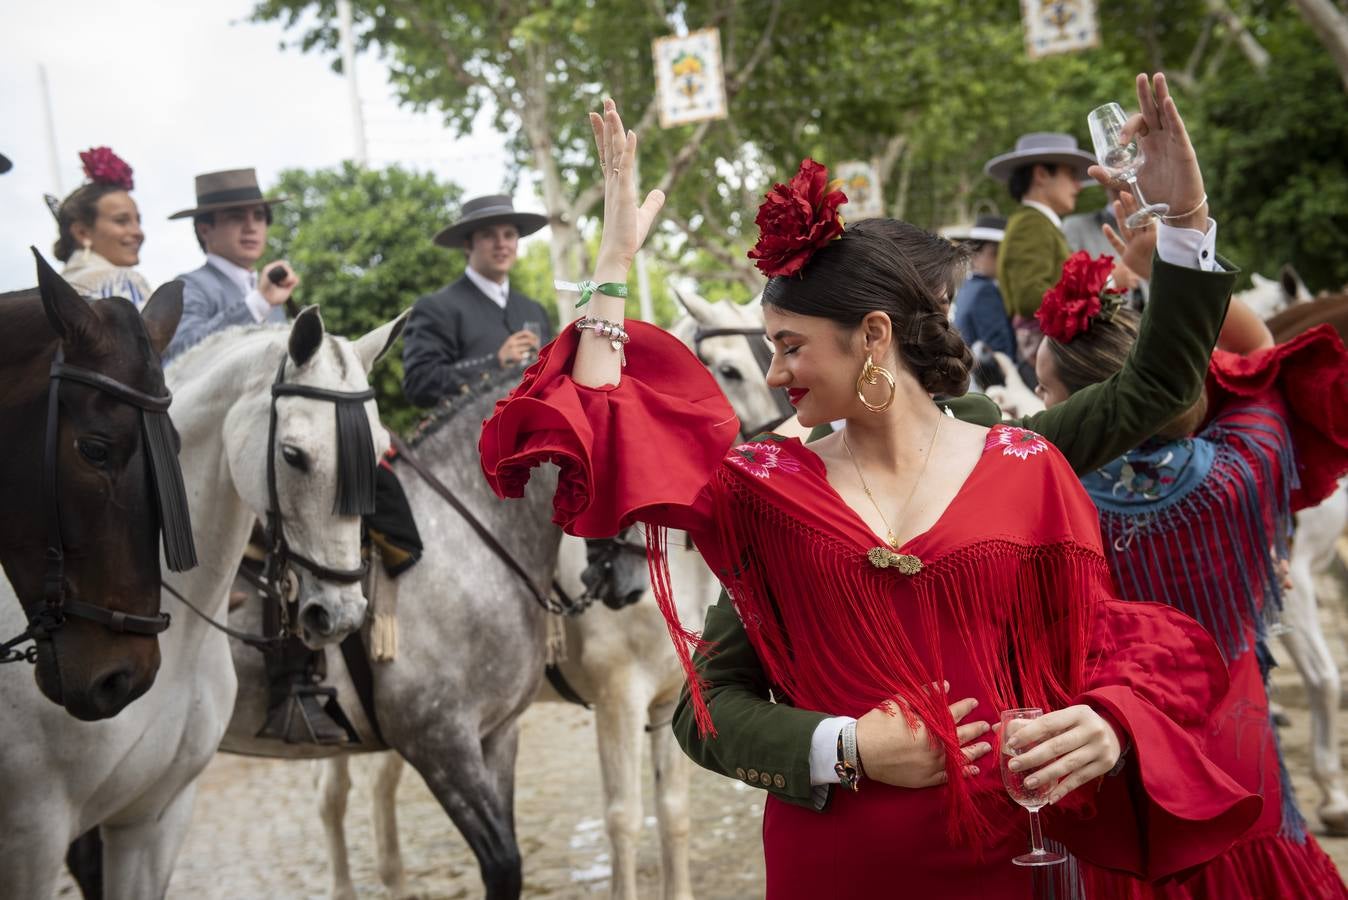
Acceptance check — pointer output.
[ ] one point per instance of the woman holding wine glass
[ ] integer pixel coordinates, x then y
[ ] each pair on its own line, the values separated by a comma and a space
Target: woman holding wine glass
874, 585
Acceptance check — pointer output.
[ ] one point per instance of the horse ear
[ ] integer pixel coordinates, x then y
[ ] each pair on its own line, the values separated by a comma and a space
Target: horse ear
697, 307
1292, 285
67, 312
306, 335
375, 344
161, 314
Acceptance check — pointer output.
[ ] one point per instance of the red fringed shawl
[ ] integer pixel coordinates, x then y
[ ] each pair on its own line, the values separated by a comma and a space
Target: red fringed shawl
1013, 605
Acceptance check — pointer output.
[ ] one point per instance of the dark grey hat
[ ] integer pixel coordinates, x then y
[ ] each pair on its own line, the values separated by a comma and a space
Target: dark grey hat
494, 209
1040, 147
225, 190
5, 164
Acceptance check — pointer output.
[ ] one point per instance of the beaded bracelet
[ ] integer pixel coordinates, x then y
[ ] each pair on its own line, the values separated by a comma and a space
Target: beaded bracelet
614, 331
1182, 215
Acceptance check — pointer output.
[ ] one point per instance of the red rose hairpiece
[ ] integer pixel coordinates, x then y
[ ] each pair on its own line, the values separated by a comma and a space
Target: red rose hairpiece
1078, 297
105, 167
797, 219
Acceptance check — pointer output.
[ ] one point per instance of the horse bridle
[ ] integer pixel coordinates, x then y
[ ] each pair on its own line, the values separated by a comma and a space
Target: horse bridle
763, 356
277, 581
166, 478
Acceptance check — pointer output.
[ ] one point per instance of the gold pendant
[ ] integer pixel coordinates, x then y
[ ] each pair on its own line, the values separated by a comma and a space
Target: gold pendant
885, 558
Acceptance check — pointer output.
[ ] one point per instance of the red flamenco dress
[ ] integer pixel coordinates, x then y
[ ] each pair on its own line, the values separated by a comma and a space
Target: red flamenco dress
1007, 597
1196, 524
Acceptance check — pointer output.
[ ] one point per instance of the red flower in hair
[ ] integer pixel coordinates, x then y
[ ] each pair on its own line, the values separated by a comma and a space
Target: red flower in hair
105, 167
797, 219
1078, 297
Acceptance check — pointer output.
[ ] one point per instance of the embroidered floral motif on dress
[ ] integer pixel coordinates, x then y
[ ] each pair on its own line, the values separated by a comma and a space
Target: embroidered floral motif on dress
758, 457
1015, 442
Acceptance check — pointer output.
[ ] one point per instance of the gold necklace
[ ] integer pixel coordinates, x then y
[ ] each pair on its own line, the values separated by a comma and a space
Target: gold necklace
889, 532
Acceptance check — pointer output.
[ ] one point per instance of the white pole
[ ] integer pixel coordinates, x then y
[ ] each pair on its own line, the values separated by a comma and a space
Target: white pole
643, 278
348, 45
53, 157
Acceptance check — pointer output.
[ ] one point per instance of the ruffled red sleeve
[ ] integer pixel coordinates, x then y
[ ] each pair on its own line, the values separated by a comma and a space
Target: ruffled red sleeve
1305, 379
1156, 674
644, 450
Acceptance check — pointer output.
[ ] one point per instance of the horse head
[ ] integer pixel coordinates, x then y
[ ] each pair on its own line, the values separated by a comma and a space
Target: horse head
729, 339
1268, 296
80, 540
316, 438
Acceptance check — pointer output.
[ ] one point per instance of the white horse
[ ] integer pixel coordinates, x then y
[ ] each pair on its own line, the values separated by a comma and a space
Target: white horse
134, 776
620, 661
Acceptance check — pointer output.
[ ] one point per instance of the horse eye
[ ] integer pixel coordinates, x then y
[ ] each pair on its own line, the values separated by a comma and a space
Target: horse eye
730, 373
294, 456
96, 452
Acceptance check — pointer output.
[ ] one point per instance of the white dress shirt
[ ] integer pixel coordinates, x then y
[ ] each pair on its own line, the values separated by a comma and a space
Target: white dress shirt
246, 279
498, 293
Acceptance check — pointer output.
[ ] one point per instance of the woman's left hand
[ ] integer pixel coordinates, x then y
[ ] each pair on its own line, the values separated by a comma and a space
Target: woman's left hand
1068, 746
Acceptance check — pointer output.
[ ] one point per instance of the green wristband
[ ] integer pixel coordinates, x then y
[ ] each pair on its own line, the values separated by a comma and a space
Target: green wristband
588, 289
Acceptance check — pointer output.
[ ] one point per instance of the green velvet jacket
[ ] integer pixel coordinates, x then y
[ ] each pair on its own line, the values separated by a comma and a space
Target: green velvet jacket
1029, 260
767, 744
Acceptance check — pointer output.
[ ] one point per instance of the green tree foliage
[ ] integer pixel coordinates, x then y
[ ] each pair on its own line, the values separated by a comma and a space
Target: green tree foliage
1273, 152
360, 240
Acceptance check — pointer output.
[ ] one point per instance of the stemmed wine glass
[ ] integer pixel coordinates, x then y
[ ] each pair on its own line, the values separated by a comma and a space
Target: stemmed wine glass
1120, 160
536, 329
1032, 799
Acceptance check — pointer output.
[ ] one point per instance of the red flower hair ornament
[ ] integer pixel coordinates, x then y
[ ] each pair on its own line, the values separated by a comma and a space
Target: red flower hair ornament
797, 219
1079, 296
105, 167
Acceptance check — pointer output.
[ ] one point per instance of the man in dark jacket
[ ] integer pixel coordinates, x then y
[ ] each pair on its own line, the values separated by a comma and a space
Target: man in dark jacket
477, 324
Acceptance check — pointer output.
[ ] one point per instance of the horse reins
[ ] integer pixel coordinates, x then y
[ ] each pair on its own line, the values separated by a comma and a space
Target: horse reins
763, 356
563, 605
166, 478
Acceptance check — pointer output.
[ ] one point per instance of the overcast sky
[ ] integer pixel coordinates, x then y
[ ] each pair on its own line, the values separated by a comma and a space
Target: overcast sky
177, 89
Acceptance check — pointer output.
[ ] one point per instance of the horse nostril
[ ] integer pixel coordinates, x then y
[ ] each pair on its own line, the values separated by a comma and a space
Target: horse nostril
110, 692
317, 620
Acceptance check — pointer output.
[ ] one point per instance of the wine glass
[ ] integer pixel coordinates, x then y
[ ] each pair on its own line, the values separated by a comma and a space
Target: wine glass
534, 327
1033, 799
1120, 160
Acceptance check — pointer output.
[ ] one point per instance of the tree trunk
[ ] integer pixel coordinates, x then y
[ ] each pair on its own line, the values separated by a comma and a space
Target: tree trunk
1331, 27
1249, 45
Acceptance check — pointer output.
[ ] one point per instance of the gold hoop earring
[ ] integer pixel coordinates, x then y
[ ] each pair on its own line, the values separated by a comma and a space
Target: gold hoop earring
871, 374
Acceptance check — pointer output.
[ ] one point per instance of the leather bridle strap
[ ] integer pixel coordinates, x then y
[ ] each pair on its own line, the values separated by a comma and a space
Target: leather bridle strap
763, 356
405, 455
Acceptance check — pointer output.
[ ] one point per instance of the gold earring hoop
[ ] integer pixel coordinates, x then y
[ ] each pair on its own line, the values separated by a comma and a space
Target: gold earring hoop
871, 374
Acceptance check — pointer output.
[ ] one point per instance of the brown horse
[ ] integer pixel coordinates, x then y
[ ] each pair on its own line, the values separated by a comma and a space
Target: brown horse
1326, 307
86, 568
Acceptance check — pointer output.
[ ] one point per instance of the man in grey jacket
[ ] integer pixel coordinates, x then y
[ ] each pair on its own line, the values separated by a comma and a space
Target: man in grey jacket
231, 218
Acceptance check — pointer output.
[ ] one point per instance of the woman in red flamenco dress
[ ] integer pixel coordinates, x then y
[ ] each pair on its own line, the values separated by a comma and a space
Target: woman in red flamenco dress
1198, 517
989, 578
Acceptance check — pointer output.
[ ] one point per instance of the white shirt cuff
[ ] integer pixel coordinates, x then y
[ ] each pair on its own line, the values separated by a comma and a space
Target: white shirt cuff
1188, 247
257, 305
824, 749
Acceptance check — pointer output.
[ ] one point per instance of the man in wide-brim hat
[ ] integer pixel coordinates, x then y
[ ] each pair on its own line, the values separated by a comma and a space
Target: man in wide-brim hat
230, 217
1044, 174
478, 323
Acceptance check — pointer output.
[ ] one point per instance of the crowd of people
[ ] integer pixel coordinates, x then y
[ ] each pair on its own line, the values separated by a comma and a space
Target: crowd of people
920, 568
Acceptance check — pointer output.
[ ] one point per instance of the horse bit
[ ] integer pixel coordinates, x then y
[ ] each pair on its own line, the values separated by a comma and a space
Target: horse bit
166, 479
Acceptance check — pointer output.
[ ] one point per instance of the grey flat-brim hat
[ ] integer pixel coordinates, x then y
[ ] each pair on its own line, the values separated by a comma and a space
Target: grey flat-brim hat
225, 190
494, 209
985, 228
1041, 147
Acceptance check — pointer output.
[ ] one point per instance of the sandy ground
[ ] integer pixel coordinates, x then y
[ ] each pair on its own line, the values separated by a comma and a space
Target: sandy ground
256, 833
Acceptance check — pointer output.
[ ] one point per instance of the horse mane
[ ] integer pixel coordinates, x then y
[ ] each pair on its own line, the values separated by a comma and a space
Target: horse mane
190, 356
489, 385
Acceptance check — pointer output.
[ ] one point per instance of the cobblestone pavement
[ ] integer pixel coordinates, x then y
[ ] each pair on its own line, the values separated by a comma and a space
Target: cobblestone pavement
256, 833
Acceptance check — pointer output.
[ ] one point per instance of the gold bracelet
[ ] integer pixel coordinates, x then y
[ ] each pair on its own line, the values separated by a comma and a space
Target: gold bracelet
1187, 214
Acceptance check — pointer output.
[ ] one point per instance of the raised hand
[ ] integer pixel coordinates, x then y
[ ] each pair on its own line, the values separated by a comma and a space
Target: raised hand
625, 223
1068, 746
1135, 246
1170, 174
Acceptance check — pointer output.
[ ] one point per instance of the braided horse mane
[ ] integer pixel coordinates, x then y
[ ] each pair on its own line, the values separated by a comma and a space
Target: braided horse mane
490, 384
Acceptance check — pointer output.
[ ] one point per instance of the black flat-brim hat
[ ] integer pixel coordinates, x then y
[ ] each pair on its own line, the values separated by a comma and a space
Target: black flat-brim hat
226, 190
495, 209
1048, 147
5, 164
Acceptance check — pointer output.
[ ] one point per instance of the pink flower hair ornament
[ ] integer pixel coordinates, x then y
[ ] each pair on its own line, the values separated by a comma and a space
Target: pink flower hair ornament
102, 166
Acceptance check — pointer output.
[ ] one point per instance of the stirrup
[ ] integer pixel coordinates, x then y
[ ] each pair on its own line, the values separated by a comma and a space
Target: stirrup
309, 714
